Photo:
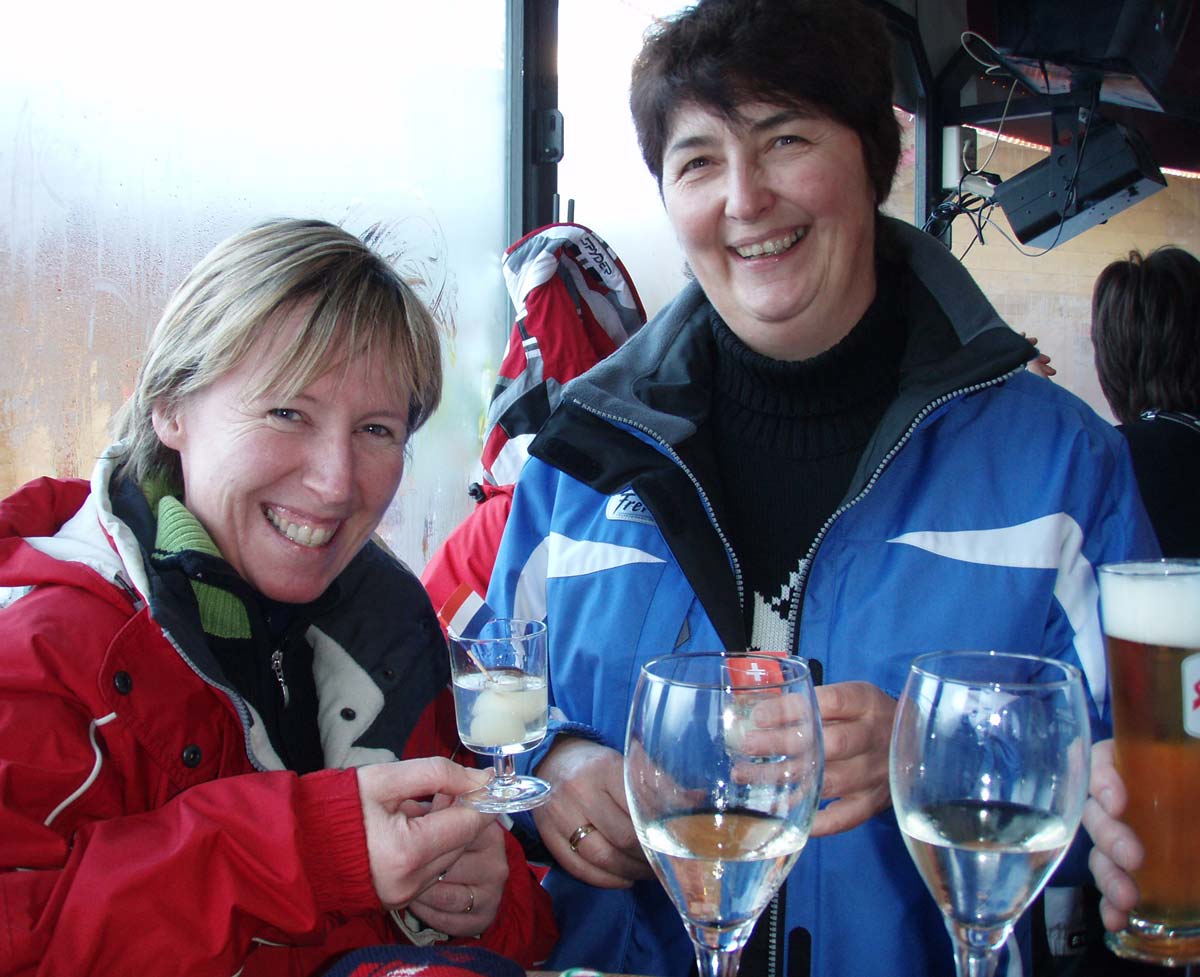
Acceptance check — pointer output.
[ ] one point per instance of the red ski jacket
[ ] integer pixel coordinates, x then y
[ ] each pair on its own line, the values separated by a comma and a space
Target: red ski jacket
143, 829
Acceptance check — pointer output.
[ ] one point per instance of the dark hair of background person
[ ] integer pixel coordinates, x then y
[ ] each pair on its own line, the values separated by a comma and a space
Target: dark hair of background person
1146, 333
829, 56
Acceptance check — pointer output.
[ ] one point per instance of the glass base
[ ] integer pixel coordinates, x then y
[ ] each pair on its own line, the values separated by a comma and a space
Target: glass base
502, 795
1175, 946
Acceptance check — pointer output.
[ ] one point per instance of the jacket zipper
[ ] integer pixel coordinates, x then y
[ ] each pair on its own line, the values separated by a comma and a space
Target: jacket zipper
277, 668
806, 565
773, 937
793, 637
674, 456
135, 599
239, 705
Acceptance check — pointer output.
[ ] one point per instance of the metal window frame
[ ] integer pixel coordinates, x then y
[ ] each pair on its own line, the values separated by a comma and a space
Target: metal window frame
535, 125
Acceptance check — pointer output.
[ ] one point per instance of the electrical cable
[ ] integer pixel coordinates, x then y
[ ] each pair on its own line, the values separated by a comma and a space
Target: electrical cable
996, 138
999, 63
1016, 244
979, 209
975, 207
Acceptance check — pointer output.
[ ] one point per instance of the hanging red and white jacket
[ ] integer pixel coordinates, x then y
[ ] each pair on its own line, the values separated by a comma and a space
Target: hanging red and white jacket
575, 303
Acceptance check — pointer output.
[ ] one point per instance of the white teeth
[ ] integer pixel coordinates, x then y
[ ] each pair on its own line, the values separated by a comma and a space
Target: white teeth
302, 534
769, 248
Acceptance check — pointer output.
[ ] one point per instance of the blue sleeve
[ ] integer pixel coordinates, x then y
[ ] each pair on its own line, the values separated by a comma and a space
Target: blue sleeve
1118, 529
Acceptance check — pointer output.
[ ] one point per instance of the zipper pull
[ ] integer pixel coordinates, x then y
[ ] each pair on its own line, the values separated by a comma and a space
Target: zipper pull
277, 668
128, 590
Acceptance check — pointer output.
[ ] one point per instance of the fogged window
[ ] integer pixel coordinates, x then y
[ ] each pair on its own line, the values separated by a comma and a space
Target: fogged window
133, 137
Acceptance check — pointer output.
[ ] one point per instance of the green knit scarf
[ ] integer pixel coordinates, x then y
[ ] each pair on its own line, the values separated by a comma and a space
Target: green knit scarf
222, 614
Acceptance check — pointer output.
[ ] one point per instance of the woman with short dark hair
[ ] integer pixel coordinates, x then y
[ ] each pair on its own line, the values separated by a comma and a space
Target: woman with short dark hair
828, 445
1146, 338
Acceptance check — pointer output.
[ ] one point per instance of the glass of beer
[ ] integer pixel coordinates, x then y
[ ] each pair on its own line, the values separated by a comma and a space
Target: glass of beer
1150, 611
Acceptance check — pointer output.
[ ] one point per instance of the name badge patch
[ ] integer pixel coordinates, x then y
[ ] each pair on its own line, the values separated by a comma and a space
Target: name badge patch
627, 507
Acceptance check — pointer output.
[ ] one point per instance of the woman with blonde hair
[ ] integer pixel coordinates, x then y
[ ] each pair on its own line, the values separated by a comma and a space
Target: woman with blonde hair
223, 732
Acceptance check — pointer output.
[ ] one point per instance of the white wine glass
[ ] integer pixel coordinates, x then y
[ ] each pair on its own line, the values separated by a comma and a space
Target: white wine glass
989, 774
723, 769
500, 702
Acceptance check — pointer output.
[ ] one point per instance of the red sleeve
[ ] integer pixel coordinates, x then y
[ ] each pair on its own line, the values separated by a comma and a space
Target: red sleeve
108, 864
196, 881
126, 877
40, 507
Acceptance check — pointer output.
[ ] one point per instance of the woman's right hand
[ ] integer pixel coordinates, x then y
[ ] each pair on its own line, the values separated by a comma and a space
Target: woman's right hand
1117, 851
410, 843
589, 793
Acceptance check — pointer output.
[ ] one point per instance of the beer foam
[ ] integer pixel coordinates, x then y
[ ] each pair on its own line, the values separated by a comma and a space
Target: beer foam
1153, 608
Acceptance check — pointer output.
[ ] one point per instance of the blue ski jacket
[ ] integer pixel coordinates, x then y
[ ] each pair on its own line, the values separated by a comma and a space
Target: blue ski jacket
976, 519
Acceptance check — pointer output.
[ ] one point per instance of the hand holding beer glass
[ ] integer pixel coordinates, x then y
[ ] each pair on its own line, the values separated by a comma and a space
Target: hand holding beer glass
1150, 611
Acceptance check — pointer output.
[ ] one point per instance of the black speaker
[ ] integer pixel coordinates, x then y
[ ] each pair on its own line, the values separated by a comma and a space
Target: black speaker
1114, 172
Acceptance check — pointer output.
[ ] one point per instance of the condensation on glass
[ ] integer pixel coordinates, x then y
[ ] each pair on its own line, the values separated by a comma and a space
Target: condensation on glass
134, 137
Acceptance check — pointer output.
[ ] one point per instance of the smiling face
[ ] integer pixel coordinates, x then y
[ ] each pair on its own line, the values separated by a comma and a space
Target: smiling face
776, 216
290, 489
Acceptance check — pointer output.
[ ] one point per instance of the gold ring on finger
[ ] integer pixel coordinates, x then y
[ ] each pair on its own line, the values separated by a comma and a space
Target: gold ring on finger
578, 835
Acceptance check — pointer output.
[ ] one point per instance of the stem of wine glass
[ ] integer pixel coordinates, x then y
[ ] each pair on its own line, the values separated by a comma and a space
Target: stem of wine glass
505, 768
717, 963
718, 951
973, 961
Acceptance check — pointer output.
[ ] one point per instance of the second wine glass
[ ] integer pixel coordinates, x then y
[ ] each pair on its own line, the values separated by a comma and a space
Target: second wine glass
989, 774
723, 769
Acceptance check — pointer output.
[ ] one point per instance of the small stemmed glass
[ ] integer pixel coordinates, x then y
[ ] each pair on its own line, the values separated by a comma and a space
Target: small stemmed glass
500, 702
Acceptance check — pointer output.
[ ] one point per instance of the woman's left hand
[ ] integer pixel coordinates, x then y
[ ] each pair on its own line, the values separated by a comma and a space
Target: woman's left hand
1040, 364
464, 899
856, 720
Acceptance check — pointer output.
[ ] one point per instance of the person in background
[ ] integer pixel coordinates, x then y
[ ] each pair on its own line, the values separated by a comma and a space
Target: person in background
1146, 335
224, 721
827, 444
1040, 364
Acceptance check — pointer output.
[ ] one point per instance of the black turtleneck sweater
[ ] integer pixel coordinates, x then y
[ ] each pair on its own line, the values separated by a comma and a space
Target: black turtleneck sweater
787, 439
